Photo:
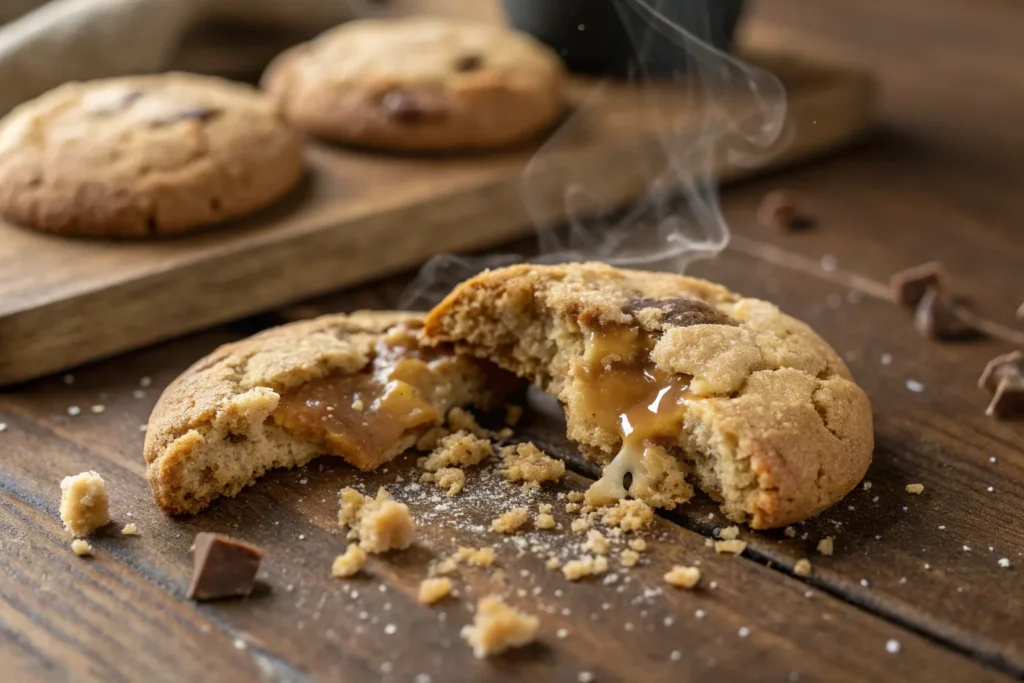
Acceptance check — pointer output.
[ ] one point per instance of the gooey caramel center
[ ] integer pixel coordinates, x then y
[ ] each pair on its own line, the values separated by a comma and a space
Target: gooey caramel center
363, 417
624, 392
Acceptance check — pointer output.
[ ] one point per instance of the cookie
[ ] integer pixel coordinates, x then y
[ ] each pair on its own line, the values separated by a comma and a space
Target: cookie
419, 85
670, 381
358, 386
143, 155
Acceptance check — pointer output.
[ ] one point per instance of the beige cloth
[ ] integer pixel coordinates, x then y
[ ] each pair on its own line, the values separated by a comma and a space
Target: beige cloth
45, 44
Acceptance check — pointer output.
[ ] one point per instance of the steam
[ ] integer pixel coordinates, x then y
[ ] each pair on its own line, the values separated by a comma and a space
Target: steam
712, 110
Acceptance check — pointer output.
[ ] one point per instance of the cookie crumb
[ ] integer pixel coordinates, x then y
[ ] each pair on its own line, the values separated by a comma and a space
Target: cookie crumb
432, 590
629, 558
575, 496
826, 545
461, 449
544, 521
729, 533
461, 420
790, 532
596, 543
578, 526
84, 504
638, 544
628, 515
358, 406
553, 563
81, 548
429, 440
130, 529
915, 488
587, 565
451, 478
802, 567
730, 546
1004, 562
526, 462
497, 627
380, 523
349, 563
478, 557
683, 577
510, 522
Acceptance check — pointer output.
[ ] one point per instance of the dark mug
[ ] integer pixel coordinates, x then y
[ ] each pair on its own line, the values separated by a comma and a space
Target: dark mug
619, 37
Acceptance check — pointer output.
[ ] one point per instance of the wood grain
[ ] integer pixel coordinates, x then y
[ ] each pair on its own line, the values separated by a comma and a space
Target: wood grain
64, 302
309, 627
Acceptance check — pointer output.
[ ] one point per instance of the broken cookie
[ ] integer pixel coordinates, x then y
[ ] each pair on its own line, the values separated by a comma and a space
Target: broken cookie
670, 382
358, 386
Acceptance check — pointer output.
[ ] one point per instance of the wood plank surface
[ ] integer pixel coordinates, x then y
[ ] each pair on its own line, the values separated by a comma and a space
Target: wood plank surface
753, 624
65, 302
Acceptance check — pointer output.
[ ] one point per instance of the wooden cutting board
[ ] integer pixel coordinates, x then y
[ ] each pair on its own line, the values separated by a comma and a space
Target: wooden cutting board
360, 216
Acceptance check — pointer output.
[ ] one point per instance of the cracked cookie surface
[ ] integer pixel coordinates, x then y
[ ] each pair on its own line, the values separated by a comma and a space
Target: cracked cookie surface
420, 84
141, 156
357, 386
669, 380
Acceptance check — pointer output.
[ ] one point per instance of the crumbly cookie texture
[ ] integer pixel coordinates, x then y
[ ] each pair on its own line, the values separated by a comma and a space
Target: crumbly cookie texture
750, 404
683, 577
433, 589
81, 548
348, 563
141, 156
498, 627
84, 504
381, 524
419, 84
527, 463
242, 410
509, 522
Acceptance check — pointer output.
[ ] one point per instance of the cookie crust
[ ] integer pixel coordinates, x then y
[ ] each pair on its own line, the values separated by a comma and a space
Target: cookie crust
144, 156
776, 429
419, 85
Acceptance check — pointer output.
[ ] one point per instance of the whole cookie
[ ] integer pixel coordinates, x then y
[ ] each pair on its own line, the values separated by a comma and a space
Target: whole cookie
143, 155
358, 386
419, 85
672, 382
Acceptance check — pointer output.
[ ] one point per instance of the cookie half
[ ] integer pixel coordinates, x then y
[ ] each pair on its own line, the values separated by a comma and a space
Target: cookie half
417, 85
358, 386
670, 381
143, 156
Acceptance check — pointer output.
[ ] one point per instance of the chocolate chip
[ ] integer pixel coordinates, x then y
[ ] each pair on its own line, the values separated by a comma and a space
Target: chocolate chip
224, 567
779, 210
469, 62
1001, 367
909, 286
936, 317
407, 107
680, 312
1008, 401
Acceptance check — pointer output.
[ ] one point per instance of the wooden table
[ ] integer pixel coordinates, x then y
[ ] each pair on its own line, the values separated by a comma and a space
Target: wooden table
915, 573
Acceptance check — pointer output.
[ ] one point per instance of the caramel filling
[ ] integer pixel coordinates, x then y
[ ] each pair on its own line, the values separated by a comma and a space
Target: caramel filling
363, 417
623, 391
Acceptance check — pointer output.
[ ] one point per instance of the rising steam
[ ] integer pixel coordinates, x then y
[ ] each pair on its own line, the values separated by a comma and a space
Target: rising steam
712, 110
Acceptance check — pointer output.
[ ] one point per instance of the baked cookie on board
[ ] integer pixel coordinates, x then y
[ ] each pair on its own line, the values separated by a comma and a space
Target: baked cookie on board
358, 386
670, 381
141, 156
419, 85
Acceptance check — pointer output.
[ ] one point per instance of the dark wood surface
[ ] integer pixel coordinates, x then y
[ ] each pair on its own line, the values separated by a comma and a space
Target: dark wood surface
941, 180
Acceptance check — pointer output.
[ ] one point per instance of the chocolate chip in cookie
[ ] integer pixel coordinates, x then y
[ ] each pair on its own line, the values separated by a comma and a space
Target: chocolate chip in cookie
680, 312
407, 107
469, 61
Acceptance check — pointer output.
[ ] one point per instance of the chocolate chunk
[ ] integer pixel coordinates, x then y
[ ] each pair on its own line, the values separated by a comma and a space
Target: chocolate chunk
1008, 401
936, 317
1007, 365
680, 312
909, 286
469, 62
779, 210
407, 107
224, 567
